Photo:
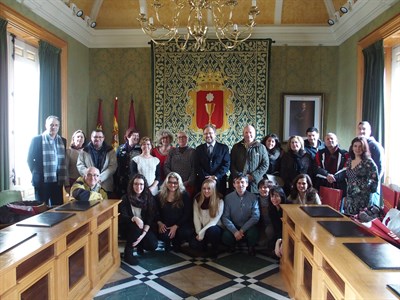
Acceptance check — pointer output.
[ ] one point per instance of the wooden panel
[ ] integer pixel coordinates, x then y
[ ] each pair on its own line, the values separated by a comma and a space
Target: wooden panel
68, 249
329, 261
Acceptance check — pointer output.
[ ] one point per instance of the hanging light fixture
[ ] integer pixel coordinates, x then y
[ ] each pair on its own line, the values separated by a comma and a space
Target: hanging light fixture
201, 14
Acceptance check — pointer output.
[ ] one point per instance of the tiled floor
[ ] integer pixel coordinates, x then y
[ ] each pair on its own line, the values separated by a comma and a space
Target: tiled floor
170, 275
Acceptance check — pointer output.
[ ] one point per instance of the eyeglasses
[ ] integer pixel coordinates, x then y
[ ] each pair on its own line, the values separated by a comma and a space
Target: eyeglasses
98, 137
93, 175
172, 182
182, 137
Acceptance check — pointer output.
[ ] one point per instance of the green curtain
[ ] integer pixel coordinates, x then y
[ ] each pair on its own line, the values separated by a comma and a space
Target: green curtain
4, 151
50, 83
373, 101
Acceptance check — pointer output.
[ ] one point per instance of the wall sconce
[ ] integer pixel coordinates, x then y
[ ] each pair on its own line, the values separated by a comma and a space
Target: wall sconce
90, 23
77, 12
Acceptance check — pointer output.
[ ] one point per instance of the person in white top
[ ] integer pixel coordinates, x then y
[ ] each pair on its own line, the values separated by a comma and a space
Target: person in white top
147, 165
207, 211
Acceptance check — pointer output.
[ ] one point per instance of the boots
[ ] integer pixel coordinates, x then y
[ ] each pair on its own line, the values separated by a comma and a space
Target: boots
128, 256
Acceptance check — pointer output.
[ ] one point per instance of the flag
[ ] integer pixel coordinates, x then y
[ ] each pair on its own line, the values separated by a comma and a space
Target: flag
99, 125
115, 141
131, 119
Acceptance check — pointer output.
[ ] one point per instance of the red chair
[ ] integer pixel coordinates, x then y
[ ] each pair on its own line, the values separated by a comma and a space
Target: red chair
390, 198
331, 197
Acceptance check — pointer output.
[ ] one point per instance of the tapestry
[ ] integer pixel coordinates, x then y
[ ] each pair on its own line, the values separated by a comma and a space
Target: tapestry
226, 88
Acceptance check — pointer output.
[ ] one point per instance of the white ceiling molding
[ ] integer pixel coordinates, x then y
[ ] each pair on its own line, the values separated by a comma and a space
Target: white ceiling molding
61, 16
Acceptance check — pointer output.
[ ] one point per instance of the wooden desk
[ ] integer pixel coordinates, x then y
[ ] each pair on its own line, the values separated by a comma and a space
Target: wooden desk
316, 265
71, 260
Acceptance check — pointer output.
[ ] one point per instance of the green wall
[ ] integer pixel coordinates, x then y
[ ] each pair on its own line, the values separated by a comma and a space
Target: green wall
345, 119
122, 73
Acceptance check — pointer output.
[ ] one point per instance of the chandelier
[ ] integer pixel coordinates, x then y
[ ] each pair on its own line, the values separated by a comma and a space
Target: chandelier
198, 16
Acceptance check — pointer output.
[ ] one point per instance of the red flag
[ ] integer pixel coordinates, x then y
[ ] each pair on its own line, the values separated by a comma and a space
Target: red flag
132, 120
99, 125
115, 142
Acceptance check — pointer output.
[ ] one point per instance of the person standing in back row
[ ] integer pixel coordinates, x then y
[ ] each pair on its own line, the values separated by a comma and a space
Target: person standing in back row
102, 156
47, 162
312, 144
212, 160
250, 158
377, 155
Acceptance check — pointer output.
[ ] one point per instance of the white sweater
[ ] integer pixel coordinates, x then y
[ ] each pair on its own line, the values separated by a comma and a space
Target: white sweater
202, 220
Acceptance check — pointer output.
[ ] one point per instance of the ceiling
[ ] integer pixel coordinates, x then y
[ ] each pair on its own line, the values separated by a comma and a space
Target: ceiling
287, 22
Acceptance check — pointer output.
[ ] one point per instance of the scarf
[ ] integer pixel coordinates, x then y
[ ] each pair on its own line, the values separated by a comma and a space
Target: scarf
138, 202
54, 167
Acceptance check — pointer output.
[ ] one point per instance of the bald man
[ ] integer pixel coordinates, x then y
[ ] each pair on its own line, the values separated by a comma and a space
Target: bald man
330, 163
87, 187
250, 158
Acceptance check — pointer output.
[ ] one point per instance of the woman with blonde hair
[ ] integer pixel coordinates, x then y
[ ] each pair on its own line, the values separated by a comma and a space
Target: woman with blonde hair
207, 211
164, 139
77, 144
294, 162
174, 219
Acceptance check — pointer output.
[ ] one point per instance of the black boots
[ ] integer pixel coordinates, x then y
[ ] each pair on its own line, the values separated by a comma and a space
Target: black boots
129, 258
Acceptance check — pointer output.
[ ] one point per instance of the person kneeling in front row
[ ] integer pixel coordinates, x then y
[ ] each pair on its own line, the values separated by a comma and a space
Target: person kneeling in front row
137, 211
241, 215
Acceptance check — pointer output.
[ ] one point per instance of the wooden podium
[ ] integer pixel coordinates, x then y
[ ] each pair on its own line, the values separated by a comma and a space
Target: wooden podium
317, 265
70, 260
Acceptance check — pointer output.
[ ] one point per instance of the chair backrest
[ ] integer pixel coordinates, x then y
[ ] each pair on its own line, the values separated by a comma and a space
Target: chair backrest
389, 198
331, 197
8, 196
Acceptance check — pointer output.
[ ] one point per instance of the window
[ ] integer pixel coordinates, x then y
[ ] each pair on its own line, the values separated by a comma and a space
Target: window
390, 33
22, 128
392, 109
23, 109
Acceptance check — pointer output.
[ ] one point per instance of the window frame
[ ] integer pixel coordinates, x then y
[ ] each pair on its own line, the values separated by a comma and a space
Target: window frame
391, 27
32, 33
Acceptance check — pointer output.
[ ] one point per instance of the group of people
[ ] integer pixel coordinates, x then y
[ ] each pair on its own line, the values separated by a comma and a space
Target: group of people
178, 194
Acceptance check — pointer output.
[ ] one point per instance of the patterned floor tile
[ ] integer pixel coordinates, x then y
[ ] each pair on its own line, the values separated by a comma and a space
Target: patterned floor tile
170, 275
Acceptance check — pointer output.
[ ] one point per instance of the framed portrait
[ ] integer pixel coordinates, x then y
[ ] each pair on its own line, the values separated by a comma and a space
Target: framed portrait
301, 111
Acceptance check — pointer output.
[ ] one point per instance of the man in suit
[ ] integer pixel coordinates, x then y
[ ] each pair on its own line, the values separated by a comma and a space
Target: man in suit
46, 160
212, 160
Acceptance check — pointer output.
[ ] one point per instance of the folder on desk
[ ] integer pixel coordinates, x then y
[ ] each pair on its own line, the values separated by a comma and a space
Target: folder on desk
317, 211
46, 219
345, 229
10, 239
78, 205
377, 256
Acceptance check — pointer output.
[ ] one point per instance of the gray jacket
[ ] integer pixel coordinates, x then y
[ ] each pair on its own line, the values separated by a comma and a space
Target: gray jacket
253, 160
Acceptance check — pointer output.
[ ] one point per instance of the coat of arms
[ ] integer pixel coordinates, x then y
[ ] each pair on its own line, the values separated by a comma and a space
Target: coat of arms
210, 102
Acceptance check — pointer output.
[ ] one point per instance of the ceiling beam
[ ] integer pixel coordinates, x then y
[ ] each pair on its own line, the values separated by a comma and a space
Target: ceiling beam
278, 12
95, 9
330, 8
